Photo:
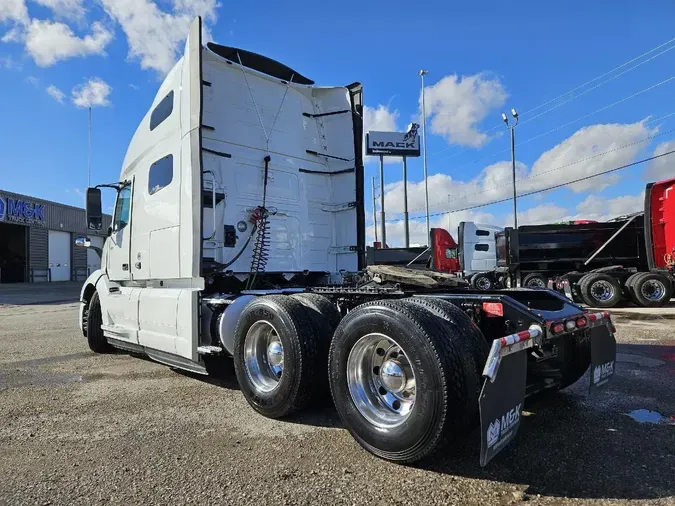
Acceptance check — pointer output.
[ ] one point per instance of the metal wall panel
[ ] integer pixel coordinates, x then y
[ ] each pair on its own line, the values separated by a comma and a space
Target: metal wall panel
79, 256
59, 216
38, 249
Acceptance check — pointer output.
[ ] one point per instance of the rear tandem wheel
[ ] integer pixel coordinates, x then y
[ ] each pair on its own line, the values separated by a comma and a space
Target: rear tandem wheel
399, 379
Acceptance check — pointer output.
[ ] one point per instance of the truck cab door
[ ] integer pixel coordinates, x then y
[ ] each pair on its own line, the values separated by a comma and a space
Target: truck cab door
119, 243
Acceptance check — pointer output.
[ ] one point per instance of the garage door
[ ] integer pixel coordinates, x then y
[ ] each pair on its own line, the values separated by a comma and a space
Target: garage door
59, 255
93, 259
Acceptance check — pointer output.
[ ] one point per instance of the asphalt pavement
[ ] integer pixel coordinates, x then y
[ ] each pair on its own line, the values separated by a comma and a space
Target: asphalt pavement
79, 428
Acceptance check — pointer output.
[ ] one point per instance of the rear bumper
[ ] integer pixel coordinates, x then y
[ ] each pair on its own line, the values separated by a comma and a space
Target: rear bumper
508, 366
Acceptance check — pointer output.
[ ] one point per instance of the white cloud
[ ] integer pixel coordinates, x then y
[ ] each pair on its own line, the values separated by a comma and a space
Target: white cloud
13, 10
49, 42
33, 81
543, 213
93, 93
664, 167
8, 62
155, 37
14, 35
599, 208
586, 143
56, 93
457, 106
379, 119
67, 9
556, 166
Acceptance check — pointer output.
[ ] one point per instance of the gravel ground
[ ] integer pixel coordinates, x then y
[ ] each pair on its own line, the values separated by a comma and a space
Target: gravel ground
78, 428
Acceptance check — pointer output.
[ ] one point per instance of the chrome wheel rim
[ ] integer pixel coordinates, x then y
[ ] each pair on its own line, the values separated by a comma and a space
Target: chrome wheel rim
536, 283
263, 356
602, 290
381, 381
653, 290
483, 283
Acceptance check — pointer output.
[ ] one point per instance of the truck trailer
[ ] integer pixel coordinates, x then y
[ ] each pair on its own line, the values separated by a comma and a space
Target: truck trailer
239, 235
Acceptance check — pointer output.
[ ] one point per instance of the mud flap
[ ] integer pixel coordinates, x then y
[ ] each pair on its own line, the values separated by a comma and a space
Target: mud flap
603, 356
501, 405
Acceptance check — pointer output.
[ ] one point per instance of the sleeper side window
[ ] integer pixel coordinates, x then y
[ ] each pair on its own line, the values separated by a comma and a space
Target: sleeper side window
482, 232
161, 174
162, 111
482, 247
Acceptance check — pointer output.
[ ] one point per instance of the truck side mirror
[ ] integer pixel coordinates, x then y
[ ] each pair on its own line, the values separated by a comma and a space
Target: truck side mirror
94, 214
83, 242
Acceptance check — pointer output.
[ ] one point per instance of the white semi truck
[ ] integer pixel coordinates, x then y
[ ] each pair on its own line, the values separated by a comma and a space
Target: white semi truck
239, 234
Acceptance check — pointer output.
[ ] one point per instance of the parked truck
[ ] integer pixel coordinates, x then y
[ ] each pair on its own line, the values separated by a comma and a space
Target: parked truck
598, 263
239, 234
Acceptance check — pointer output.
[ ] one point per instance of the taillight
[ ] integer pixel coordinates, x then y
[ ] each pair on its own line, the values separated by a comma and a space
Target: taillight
493, 309
582, 322
557, 328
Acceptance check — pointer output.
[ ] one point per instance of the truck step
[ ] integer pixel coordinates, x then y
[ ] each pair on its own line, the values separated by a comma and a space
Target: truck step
209, 350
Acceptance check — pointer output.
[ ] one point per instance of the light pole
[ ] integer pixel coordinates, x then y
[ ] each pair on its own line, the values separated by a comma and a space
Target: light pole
423, 73
512, 129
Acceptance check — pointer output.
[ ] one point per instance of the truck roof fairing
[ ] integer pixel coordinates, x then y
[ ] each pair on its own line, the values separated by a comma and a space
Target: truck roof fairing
260, 63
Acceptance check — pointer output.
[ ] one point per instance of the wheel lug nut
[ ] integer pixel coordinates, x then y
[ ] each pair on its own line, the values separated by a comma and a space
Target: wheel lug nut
380, 352
396, 405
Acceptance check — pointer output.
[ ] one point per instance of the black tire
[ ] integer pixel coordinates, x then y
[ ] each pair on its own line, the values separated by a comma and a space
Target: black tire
440, 378
629, 284
475, 347
301, 342
324, 307
95, 338
593, 283
651, 289
482, 281
534, 280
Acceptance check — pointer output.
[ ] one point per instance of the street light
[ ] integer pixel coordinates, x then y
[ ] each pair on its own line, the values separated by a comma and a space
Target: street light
512, 128
423, 73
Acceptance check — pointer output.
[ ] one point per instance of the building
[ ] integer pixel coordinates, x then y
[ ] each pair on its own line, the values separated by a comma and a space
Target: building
37, 241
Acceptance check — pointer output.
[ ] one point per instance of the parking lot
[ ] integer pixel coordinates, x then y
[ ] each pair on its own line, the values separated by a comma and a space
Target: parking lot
79, 428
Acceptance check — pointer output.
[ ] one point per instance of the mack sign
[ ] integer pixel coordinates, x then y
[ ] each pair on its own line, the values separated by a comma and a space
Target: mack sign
23, 212
394, 143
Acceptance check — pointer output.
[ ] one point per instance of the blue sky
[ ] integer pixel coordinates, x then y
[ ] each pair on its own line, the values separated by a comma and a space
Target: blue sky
482, 57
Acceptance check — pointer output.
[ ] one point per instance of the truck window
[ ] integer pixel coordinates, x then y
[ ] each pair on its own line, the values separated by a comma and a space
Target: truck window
482, 247
122, 208
483, 232
162, 111
161, 174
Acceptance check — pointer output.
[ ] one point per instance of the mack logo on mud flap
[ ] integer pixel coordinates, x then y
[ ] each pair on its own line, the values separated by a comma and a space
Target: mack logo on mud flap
501, 428
602, 373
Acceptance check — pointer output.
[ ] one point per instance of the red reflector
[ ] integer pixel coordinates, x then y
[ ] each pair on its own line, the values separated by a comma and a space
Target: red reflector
581, 322
592, 317
557, 328
493, 309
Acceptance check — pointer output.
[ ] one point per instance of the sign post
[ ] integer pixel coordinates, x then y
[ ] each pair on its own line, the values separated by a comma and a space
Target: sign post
402, 144
383, 234
405, 203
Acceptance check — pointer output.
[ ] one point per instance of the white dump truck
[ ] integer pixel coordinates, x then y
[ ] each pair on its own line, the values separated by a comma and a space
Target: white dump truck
238, 234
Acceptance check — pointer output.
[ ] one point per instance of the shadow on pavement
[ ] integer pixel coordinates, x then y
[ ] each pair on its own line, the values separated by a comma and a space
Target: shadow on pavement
31, 294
